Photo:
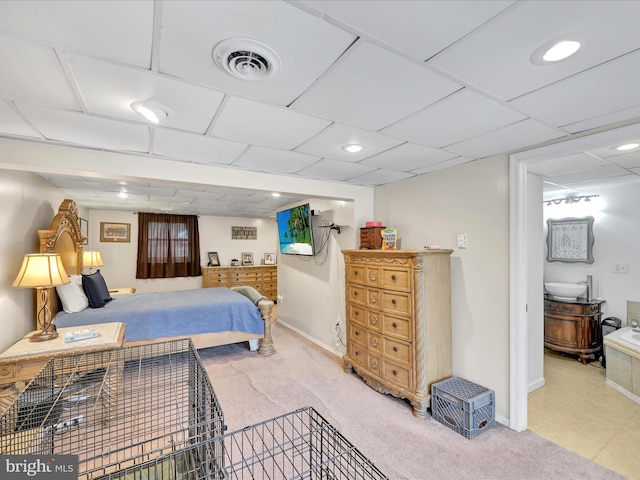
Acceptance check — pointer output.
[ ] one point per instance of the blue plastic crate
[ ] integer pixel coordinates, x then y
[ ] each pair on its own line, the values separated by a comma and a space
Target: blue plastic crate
463, 406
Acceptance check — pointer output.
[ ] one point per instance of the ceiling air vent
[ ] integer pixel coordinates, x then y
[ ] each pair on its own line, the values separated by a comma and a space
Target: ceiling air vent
246, 59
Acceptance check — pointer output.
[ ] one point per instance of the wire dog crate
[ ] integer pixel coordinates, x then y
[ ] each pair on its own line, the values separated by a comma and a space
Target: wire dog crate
150, 413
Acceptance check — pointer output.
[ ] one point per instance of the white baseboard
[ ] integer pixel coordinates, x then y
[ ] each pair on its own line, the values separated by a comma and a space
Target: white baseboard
535, 385
623, 391
329, 349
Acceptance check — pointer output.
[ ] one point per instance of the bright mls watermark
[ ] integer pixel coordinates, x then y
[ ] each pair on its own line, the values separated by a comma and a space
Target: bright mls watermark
45, 467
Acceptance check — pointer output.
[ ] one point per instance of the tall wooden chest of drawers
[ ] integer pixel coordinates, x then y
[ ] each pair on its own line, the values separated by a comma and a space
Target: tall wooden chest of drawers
398, 311
263, 278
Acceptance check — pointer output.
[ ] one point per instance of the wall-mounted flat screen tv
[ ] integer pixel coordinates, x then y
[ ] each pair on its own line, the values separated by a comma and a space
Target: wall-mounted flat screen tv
294, 230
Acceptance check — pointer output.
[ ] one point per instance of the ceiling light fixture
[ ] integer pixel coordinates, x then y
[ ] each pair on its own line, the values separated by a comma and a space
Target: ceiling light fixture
275, 194
153, 112
627, 146
123, 195
569, 199
352, 148
246, 59
554, 51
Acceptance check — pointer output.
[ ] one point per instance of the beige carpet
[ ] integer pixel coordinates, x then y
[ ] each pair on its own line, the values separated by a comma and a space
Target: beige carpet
252, 388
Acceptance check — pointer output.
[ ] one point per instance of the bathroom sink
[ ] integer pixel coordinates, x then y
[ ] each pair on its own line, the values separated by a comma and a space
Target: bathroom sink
631, 336
566, 291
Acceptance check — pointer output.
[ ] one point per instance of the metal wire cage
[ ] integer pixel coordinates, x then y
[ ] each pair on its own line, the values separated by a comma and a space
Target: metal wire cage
120, 409
150, 413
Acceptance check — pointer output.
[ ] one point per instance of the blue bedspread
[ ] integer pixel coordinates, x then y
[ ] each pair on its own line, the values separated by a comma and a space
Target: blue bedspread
177, 313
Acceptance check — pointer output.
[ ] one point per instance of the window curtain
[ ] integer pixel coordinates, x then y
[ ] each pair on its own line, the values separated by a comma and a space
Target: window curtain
168, 246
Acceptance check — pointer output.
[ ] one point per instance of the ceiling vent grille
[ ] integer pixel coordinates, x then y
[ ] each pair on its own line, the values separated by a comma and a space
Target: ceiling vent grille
246, 59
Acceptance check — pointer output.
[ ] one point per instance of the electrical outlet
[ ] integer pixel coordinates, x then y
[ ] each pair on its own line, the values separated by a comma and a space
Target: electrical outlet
462, 240
336, 326
621, 268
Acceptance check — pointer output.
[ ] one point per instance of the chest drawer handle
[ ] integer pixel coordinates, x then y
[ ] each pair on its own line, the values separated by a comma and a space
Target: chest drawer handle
357, 313
395, 349
395, 373
394, 325
393, 277
393, 302
357, 333
355, 294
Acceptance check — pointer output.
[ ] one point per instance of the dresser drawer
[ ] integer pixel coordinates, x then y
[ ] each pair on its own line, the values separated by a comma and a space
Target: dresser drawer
571, 308
356, 274
357, 294
358, 334
396, 326
269, 285
357, 314
397, 303
397, 374
396, 279
358, 354
399, 351
245, 277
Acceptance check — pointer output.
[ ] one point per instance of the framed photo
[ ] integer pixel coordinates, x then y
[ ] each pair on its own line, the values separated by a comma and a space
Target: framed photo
247, 258
84, 231
570, 240
214, 261
115, 232
269, 258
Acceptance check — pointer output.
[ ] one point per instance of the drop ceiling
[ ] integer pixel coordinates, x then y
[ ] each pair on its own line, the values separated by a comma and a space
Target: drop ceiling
421, 85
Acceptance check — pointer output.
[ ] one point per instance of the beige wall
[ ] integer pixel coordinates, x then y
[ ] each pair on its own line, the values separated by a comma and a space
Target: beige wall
472, 198
28, 204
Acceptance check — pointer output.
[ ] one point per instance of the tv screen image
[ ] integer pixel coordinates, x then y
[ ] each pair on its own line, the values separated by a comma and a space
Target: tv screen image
294, 231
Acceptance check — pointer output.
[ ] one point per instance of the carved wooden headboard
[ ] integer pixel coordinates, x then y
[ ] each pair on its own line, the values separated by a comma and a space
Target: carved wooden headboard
64, 238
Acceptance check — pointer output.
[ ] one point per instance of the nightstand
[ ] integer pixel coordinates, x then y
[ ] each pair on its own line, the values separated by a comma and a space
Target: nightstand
24, 359
122, 290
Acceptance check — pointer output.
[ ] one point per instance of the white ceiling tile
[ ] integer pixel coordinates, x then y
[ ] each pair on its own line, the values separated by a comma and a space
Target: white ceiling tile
509, 138
380, 100
327, 169
381, 177
267, 125
197, 148
274, 161
421, 29
109, 89
592, 174
569, 163
617, 117
117, 29
609, 88
32, 74
611, 182
330, 141
95, 132
407, 157
496, 57
442, 165
12, 123
460, 116
625, 160
305, 44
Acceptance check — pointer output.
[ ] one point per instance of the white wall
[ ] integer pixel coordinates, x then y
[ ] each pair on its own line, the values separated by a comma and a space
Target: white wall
472, 198
28, 204
119, 259
311, 289
616, 231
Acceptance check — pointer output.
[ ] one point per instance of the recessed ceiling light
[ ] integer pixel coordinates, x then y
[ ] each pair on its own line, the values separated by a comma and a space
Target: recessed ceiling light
554, 51
153, 112
627, 146
123, 195
352, 148
275, 194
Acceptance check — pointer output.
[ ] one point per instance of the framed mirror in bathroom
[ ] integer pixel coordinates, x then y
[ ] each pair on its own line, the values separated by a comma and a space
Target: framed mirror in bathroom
570, 240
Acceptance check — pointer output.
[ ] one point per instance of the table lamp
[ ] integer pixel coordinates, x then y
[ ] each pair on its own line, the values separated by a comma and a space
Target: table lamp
92, 258
42, 271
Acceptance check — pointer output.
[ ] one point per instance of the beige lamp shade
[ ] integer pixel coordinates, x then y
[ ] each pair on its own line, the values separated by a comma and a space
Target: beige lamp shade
41, 270
92, 258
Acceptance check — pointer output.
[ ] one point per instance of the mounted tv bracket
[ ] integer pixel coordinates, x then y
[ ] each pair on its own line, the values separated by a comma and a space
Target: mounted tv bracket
332, 226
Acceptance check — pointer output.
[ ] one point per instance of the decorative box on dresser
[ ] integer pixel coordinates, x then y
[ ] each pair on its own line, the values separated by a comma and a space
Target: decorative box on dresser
263, 278
398, 311
573, 326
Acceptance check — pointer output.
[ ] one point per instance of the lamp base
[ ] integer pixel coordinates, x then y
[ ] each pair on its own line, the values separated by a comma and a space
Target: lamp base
43, 336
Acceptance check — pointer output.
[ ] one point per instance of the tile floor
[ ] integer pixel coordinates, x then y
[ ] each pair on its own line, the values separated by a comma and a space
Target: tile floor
578, 410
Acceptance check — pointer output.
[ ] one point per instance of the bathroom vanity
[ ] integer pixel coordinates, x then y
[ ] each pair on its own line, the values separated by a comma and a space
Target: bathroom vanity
573, 326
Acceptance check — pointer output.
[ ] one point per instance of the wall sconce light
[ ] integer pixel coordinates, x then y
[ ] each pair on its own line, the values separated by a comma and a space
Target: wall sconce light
569, 199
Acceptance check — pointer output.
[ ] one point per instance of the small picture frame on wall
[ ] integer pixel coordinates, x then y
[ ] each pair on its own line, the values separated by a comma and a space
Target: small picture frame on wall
247, 258
84, 231
269, 258
115, 232
214, 261
570, 240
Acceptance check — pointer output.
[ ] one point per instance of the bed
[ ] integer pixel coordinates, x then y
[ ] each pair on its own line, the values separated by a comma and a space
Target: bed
209, 316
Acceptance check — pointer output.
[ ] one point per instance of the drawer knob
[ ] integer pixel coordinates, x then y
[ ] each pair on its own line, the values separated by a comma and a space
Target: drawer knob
393, 302
395, 349
355, 294
393, 277
357, 333
395, 372
394, 325
357, 313
357, 353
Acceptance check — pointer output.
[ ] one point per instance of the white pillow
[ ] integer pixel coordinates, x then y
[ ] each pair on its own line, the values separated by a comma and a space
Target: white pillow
72, 295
